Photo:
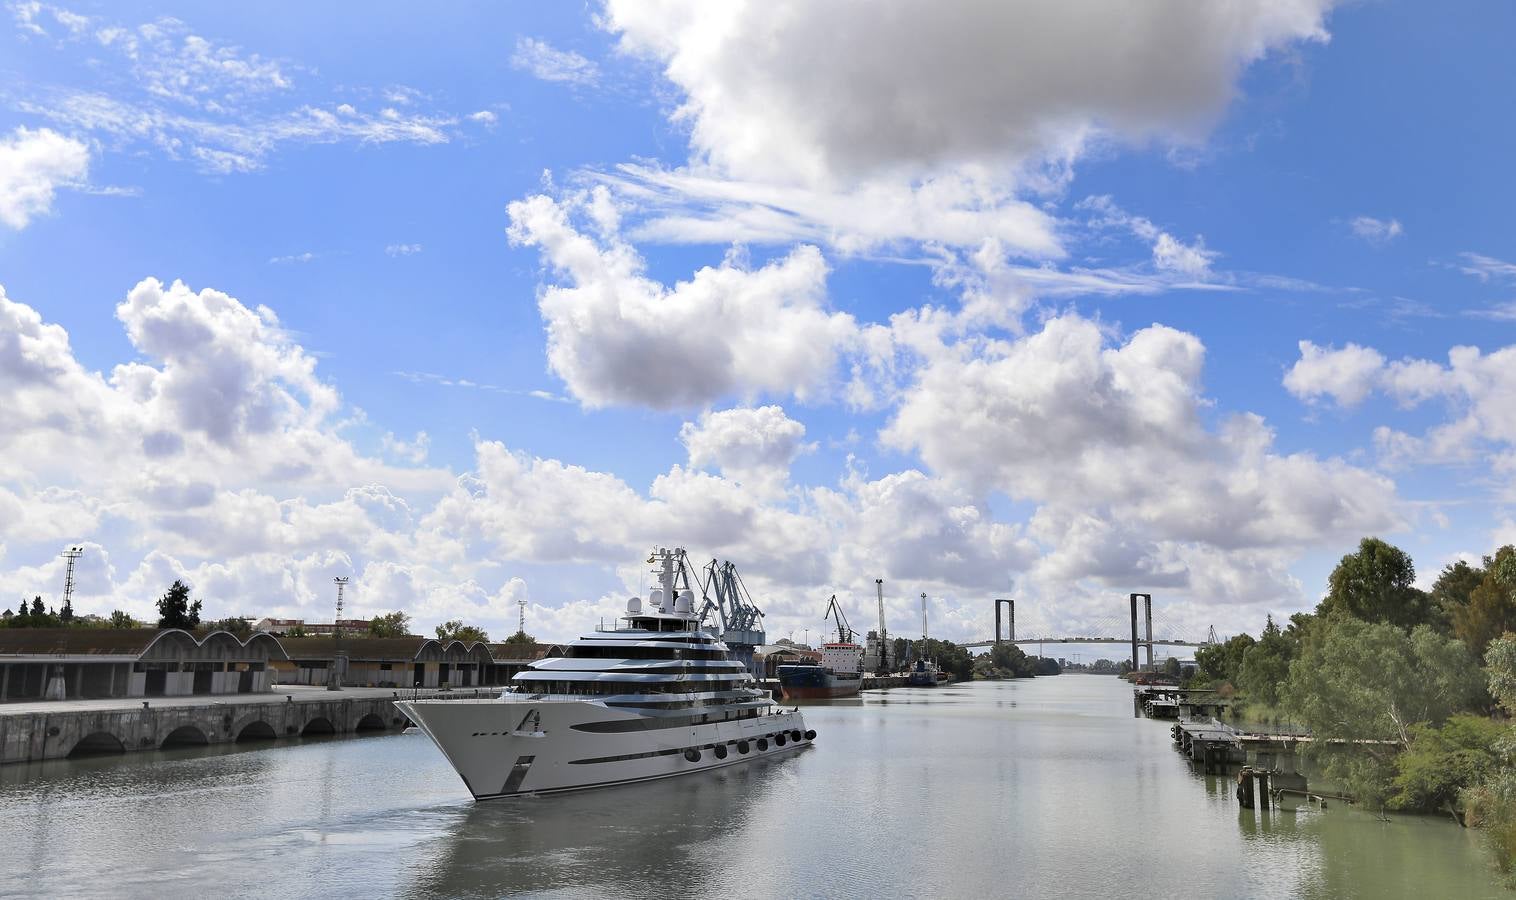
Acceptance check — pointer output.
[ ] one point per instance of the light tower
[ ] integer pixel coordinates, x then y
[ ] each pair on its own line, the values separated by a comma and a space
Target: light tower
522, 627
71, 554
334, 677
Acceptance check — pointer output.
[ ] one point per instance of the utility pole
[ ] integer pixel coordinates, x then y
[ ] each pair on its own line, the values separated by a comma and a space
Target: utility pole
71, 554
334, 677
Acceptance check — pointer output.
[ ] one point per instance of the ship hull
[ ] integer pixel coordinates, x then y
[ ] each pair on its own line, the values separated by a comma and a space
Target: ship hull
816, 683
512, 747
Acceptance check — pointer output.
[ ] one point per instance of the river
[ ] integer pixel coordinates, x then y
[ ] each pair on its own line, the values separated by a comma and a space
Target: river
1039, 788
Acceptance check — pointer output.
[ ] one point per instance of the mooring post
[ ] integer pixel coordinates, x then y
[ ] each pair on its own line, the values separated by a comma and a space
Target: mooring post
1245, 787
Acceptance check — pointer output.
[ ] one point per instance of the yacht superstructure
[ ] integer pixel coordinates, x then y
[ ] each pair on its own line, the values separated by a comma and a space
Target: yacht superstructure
656, 696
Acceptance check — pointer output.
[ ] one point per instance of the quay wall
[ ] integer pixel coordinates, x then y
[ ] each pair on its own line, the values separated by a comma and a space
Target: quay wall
34, 736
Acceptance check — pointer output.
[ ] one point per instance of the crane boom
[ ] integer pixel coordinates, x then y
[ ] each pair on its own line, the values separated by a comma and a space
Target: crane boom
834, 611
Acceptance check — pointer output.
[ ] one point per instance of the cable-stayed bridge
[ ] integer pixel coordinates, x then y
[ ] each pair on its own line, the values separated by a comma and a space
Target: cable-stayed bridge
1100, 631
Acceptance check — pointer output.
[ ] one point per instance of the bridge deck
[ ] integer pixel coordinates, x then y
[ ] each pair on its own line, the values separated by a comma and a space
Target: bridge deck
1092, 640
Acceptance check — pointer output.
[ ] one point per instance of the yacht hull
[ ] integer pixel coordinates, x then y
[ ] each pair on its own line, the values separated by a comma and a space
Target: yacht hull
510, 747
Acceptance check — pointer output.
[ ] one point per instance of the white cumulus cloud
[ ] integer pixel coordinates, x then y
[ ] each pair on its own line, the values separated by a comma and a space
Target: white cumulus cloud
34, 164
616, 336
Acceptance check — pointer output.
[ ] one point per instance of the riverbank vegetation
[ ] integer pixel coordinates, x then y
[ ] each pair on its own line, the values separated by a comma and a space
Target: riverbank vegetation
1009, 661
1408, 693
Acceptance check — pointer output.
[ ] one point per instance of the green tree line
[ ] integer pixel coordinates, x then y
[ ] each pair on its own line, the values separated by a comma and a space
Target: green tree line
1423, 680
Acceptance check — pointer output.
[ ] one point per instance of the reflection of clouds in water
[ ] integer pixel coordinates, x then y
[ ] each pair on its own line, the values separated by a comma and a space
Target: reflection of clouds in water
624, 841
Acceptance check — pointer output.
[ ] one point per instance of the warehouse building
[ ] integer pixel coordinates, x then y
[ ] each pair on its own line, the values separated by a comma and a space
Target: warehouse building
74, 663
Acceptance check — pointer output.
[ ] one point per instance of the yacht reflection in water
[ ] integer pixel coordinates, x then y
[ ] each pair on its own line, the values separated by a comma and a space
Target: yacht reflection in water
635, 839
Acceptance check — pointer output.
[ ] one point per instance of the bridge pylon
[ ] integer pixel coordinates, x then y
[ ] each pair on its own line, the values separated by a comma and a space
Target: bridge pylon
1012, 607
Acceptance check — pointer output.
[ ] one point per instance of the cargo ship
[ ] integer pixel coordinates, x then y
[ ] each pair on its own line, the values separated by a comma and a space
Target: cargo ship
838, 674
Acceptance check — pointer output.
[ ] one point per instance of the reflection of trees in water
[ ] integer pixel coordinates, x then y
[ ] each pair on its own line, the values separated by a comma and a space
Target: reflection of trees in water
621, 841
1345, 852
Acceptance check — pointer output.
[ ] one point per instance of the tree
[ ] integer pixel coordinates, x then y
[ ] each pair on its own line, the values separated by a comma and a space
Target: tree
523, 638
1489, 610
1451, 590
1266, 665
175, 609
235, 625
1377, 584
120, 619
37, 608
1223, 662
1441, 762
390, 625
1171, 667
1371, 680
1012, 661
66, 614
1491, 803
455, 630
296, 631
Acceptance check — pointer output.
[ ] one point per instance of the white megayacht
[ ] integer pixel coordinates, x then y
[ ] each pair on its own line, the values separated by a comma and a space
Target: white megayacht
656, 697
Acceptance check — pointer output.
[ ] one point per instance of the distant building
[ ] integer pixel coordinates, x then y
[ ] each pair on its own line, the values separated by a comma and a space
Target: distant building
69, 663
90, 663
405, 662
281, 627
769, 657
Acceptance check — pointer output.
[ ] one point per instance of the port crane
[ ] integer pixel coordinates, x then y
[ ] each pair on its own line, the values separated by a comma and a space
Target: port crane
834, 611
740, 618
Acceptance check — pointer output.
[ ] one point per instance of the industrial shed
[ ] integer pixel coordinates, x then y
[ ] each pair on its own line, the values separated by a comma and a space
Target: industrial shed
406, 662
70, 663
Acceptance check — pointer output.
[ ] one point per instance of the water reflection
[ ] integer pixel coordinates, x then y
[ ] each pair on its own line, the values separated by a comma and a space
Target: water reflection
1029, 788
619, 841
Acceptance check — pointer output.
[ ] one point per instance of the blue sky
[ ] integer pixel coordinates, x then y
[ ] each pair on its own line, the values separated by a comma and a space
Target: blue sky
980, 300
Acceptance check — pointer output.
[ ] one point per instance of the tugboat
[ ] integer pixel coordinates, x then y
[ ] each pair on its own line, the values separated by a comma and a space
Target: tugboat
925, 674
840, 673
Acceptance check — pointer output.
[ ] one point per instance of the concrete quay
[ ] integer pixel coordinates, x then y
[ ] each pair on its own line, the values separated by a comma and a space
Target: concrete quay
57, 729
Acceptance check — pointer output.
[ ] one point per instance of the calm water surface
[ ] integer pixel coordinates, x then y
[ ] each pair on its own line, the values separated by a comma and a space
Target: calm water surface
1043, 788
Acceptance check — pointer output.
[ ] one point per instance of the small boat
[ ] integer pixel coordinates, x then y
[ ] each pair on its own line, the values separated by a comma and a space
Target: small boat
925, 674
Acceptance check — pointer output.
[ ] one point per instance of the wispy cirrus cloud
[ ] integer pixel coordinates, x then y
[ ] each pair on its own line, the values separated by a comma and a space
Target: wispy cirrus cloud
215, 105
1376, 231
447, 381
543, 60
1486, 268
